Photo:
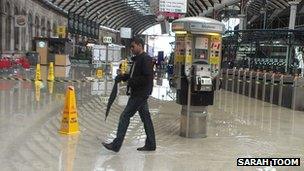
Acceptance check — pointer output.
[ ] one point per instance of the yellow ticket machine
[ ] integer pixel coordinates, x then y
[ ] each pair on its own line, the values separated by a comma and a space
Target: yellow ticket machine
196, 66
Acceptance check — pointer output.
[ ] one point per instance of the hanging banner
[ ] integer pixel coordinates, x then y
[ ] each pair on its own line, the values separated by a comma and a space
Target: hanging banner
125, 32
20, 21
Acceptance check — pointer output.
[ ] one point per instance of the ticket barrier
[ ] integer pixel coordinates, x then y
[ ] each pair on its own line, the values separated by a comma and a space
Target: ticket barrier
285, 91
286, 87
298, 94
224, 78
241, 85
235, 81
247, 83
275, 89
229, 79
238, 81
253, 76
259, 86
267, 87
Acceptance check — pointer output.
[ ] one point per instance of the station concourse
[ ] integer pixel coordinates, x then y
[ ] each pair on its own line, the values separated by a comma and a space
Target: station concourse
228, 84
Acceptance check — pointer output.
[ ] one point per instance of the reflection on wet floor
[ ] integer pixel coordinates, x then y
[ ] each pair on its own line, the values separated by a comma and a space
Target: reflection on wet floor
238, 126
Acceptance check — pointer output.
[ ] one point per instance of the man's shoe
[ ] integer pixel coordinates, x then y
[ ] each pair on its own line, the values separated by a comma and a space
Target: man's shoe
144, 148
109, 146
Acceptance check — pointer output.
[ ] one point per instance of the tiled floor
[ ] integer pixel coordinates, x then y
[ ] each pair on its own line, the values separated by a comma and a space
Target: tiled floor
238, 126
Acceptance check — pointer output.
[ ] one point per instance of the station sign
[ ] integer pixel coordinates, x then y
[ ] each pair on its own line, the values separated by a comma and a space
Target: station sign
125, 32
174, 6
107, 40
206, 26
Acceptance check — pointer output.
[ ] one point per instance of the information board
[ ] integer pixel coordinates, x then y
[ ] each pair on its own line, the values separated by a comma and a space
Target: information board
175, 6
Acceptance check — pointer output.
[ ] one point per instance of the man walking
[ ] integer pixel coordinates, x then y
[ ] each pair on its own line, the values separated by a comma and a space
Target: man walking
140, 85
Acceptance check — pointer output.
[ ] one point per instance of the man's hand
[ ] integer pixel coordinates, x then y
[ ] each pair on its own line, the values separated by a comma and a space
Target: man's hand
121, 77
118, 78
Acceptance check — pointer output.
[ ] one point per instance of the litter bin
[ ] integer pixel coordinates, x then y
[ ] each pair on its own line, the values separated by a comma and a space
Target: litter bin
33, 58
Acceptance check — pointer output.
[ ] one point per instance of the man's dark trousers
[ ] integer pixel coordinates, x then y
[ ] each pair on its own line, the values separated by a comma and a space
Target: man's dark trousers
134, 104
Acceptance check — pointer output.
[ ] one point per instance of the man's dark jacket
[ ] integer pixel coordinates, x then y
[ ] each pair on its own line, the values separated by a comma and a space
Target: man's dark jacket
141, 81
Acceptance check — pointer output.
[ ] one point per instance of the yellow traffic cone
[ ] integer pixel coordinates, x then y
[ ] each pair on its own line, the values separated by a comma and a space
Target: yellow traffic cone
69, 124
51, 72
38, 73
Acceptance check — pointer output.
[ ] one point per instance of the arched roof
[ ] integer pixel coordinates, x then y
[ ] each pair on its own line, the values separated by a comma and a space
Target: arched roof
140, 14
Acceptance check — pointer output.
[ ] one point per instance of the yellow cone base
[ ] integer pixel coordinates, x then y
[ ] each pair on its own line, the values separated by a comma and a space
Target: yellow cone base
69, 124
68, 133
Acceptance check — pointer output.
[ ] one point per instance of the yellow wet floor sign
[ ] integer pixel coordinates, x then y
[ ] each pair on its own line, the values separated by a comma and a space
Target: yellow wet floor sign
51, 76
69, 123
38, 73
99, 73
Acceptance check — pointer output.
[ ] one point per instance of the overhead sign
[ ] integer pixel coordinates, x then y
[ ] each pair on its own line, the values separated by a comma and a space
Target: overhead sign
107, 40
99, 73
125, 32
20, 20
61, 31
175, 6
206, 26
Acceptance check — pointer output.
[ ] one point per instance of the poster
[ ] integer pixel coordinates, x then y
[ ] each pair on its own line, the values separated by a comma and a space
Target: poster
201, 43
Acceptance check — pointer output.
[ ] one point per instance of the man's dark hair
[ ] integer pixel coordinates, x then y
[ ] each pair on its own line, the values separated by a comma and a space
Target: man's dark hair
138, 40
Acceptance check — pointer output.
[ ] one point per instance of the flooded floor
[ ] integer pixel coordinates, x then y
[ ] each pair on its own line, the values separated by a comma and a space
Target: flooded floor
238, 127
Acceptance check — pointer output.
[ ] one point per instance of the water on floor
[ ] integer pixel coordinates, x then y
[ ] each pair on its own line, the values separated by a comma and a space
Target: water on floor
238, 126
